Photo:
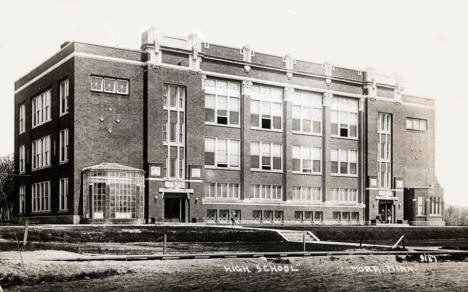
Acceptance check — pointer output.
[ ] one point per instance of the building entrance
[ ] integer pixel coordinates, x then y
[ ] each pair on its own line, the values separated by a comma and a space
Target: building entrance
174, 208
386, 213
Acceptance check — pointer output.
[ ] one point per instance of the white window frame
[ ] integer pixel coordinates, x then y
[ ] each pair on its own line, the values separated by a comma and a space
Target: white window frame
341, 111
275, 192
212, 88
40, 153
260, 156
40, 193
348, 161
231, 195
344, 195
22, 159
115, 82
301, 158
22, 118
22, 199
41, 109
307, 194
64, 97
258, 93
229, 147
416, 124
63, 194
305, 100
385, 161
420, 206
63, 146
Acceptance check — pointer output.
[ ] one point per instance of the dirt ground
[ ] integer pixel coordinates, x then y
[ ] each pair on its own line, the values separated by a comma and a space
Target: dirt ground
351, 273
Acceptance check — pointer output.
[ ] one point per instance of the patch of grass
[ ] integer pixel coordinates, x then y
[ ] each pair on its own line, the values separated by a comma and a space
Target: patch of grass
10, 280
146, 234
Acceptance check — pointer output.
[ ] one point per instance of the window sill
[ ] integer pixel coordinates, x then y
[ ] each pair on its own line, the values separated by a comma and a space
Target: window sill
38, 125
222, 168
63, 211
345, 138
173, 108
307, 134
109, 92
63, 114
217, 199
22, 132
63, 162
344, 175
262, 170
40, 168
222, 125
266, 130
306, 173
41, 212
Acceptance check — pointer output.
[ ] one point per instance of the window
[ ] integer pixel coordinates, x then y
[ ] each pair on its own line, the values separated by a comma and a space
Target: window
64, 97
22, 200
223, 153
63, 194
22, 158
257, 215
416, 124
307, 112
41, 109
344, 117
222, 102
266, 107
63, 140
41, 153
265, 156
109, 85
343, 162
306, 159
303, 193
336, 216
41, 196
267, 192
384, 153
420, 206
344, 195
174, 130
222, 190
22, 118
355, 216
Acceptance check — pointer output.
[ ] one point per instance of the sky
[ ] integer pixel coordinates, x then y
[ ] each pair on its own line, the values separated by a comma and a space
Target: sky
426, 42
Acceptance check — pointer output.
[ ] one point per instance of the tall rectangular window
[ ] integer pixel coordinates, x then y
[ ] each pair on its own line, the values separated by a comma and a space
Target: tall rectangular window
22, 158
63, 141
41, 153
63, 194
64, 94
174, 130
40, 193
343, 162
222, 102
384, 153
41, 109
307, 159
22, 199
420, 206
224, 153
266, 156
266, 107
307, 112
22, 118
344, 117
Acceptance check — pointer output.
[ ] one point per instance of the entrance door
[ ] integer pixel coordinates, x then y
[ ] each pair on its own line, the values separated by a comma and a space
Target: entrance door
174, 209
386, 215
